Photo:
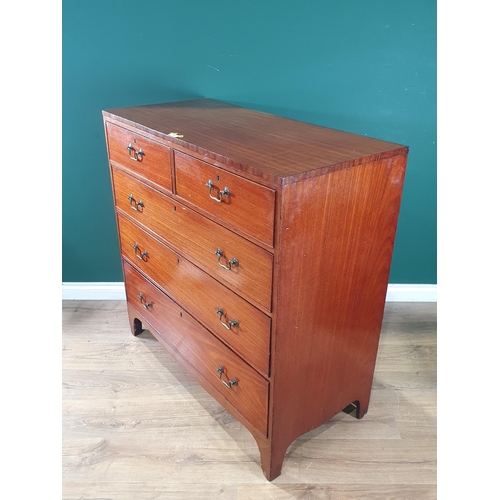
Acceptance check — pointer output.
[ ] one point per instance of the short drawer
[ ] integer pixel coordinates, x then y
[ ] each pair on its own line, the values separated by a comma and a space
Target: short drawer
242, 386
145, 157
242, 204
232, 319
210, 245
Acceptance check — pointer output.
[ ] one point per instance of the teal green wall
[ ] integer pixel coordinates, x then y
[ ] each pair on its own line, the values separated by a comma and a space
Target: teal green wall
367, 67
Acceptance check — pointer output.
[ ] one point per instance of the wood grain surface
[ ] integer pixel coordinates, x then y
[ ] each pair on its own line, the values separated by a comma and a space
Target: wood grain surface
198, 349
334, 256
153, 163
249, 207
266, 146
197, 238
136, 426
201, 295
332, 218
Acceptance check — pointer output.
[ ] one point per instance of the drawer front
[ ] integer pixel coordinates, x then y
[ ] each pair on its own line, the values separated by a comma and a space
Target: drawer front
198, 346
145, 157
235, 321
244, 205
199, 238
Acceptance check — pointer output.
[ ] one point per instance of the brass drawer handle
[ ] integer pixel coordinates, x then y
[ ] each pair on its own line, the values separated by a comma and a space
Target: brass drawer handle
231, 263
233, 381
144, 304
230, 324
225, 192
134, 205
133, 154
140, 255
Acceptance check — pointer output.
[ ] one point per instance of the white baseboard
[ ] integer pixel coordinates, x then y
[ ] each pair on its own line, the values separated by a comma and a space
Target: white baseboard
116, 291
93, 291
411, 293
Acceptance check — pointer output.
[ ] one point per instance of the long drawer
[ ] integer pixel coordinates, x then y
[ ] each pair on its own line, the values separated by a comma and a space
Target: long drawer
242, 326
210, 245
239, 202
145, 157
242, 386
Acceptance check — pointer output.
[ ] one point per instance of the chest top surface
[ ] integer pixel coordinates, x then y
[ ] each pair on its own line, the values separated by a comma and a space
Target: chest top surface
272, 147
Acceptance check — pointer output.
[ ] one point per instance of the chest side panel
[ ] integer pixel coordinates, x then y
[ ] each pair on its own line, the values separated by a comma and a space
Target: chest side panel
337, 236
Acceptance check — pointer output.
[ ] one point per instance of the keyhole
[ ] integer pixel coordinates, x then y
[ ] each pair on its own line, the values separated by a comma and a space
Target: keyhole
175, 209
218, 178
135, 141
180, 314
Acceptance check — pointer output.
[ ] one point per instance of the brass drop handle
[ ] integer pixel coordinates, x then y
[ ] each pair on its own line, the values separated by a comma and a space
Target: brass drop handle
230, 263
144, 304
225, 192
133, 154
135, 204
140, 255
230, 324
230, 383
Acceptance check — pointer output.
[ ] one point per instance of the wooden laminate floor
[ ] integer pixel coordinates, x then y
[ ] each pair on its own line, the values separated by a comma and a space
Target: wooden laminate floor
135, 427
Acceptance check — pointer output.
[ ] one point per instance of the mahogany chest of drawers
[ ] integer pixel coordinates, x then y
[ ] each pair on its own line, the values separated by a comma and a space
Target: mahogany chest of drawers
257, 250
